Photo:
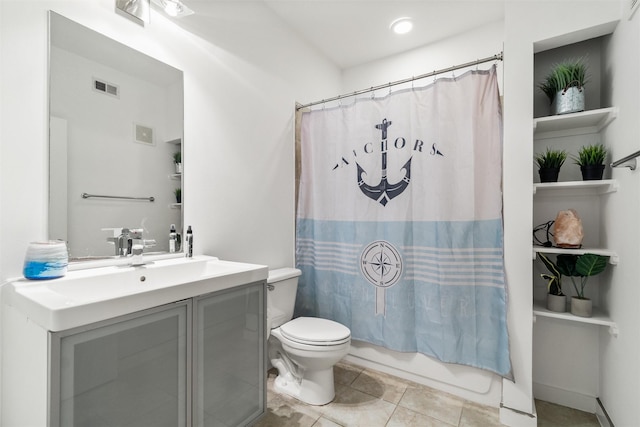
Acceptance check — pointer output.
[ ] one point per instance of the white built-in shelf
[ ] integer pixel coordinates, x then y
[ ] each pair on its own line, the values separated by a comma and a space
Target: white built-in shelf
175, 205
598, 317
585, 122
177, 141
576, 188
179, 176
613, 256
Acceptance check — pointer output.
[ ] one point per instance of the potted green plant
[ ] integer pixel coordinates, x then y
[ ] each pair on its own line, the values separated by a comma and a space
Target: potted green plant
582, 266
556, 299
591, 159
177, 160
549, 164
564, 86
178, 194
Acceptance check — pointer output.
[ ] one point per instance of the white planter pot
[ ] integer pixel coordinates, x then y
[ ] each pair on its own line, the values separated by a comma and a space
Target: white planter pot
178, 167
569, 101
581, 307
557, 303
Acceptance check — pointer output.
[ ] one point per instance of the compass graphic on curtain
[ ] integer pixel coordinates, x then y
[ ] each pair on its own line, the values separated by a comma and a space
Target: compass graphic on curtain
381, 265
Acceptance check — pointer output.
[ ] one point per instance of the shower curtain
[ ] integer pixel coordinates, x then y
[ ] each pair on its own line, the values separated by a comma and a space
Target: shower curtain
399, 222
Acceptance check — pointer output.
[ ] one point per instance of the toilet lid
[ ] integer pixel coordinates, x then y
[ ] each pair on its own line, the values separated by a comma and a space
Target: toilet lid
315, 331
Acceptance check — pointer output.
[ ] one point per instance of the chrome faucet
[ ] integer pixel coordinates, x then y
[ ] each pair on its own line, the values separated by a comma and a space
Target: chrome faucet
137, 246
131, 243
122, 243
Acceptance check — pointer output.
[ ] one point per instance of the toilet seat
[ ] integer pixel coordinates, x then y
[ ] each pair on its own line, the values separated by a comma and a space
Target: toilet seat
315, 331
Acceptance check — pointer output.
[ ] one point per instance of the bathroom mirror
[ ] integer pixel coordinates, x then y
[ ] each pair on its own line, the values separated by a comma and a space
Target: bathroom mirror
116, 122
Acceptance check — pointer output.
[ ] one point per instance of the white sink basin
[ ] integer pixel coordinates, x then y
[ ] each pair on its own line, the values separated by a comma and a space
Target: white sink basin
87, 296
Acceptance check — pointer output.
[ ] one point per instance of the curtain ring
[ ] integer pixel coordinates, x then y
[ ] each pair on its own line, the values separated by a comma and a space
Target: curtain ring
373, 92
389, 88
413, 80
434, 76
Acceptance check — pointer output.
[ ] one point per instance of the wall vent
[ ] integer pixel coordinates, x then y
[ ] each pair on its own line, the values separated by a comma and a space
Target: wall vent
106, 88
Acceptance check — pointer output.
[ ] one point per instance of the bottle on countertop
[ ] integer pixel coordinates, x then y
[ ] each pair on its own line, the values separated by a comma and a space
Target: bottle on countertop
188, 250
172, 238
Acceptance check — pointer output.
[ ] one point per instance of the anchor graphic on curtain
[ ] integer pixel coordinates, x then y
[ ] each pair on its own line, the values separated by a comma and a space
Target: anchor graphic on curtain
384, 190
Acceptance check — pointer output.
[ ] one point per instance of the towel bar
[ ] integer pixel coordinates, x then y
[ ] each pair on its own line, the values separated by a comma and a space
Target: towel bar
627, 159
86, 196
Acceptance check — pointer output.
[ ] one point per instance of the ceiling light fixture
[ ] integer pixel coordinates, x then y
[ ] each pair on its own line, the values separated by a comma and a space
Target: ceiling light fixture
173, 8
401, 25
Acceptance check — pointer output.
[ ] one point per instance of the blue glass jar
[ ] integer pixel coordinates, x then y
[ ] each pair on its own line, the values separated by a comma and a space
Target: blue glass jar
46, 260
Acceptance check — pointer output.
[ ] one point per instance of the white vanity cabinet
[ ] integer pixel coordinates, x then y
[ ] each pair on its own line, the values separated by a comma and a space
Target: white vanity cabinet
180, 353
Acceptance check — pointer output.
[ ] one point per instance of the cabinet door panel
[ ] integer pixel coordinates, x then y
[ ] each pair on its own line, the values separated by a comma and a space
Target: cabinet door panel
230, 357
129, 371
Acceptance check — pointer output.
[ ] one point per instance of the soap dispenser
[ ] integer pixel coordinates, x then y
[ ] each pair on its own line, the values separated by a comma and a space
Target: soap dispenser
172, 238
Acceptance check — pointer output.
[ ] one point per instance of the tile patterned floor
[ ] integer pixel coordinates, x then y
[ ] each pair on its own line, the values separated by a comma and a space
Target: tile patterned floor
368, 398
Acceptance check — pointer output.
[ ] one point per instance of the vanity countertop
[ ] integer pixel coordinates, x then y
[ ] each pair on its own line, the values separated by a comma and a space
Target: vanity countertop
87, 296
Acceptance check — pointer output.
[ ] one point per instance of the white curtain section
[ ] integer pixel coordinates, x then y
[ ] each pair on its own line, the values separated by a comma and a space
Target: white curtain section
399, 222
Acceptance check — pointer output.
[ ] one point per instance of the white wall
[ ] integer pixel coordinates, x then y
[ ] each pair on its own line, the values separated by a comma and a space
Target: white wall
620, 293
482, 42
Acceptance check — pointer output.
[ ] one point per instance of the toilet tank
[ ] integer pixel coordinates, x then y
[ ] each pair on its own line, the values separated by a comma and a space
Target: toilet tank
282, 285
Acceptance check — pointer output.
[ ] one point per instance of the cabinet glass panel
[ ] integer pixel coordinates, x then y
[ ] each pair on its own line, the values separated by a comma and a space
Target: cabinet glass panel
129, 371
230, 357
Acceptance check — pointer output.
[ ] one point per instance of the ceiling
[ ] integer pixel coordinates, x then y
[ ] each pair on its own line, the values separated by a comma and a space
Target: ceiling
347, 32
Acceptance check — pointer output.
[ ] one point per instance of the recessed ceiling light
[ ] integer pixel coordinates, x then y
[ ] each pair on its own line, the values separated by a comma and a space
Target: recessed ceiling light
401, 25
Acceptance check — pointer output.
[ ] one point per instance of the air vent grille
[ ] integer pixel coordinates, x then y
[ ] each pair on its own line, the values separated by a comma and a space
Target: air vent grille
106, 88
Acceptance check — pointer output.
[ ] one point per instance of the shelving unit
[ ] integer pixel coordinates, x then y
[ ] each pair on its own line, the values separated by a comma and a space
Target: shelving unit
591, 121
176, 176
558, 126
558, 374
613, 256
575, 188
598, 318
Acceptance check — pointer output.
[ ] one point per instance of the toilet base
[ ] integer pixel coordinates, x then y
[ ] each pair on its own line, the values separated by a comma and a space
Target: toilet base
315, 387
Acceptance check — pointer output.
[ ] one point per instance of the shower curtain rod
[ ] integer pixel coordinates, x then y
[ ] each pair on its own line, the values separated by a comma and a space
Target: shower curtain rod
496, 57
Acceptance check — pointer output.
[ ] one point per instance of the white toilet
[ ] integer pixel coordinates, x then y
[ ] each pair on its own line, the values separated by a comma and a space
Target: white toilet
303, 350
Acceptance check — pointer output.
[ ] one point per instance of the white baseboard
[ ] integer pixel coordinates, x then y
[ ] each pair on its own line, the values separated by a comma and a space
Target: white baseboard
569, 398
513, 418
